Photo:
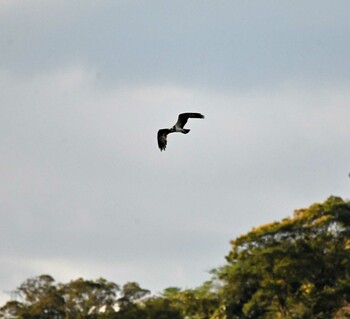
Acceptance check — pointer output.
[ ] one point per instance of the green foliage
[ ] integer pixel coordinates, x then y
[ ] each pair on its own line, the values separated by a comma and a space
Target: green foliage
298, 268
87, 297
161, 308
11, 309
42, 299
198, 303
131, 293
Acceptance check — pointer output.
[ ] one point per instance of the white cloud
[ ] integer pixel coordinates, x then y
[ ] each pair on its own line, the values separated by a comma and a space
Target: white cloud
228, 46
16, 6
5, 4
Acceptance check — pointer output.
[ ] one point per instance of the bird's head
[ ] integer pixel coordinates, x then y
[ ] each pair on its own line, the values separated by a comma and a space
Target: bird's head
172, 129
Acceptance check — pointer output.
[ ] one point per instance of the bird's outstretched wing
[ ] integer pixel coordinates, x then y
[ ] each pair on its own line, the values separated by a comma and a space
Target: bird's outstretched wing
183, 117
162, 138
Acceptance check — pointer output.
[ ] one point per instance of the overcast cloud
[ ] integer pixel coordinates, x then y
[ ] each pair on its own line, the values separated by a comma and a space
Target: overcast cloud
84, 87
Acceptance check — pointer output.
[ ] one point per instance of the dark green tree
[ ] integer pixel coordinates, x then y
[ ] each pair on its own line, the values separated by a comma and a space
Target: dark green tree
11, 309
197, 303
33, 289
296, 268
87, 298
161, 308
40, 299
132, 301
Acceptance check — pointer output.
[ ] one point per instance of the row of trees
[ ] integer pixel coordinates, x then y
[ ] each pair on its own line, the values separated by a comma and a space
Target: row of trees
42, 298
298, 268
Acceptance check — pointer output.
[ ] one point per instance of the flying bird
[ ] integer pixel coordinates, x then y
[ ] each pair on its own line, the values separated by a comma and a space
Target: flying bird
178, 127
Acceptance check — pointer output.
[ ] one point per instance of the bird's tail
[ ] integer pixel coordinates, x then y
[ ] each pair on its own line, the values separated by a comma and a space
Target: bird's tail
186, 131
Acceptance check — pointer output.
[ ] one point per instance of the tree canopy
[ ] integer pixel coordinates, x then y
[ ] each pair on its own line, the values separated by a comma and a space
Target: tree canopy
297, 268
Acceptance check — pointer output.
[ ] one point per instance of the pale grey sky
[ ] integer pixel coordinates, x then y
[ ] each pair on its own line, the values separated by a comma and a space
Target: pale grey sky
84, 87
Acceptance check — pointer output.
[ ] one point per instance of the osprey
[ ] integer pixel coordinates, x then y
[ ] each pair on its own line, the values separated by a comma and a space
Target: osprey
178, 127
